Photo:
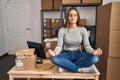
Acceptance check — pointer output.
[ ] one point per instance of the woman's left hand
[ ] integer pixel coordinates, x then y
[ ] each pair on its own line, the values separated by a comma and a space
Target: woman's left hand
97, 51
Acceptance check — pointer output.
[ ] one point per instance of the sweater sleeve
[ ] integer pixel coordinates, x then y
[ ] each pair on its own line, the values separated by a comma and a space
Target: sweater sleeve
86, 42
60, 42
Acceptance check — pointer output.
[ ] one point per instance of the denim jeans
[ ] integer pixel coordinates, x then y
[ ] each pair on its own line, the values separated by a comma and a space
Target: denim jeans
72, 60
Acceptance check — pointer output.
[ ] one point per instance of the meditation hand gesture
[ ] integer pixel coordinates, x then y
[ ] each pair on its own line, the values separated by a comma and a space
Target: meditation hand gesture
51, 53
97, 51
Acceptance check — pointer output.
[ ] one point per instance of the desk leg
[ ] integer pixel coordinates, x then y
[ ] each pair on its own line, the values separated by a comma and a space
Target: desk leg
28, 78
96, 77
52, 78
11, 77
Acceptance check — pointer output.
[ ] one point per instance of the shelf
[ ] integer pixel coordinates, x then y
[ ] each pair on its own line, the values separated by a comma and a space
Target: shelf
91, 28
81, 5
49, 10
51, 27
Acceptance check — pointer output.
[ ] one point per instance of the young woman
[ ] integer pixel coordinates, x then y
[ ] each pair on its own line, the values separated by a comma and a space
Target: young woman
70, 38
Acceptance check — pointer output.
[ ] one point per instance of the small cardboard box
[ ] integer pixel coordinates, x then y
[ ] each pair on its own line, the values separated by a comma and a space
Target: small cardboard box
55, 22
113, 72
25, 52
50, 45
47, 22
57, 4
47, 33
91, 1
47, 4
25, 59
71, 1
83, 22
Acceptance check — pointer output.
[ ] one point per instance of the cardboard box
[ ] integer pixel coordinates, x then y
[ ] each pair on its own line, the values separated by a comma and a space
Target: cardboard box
47, 4
83, 22
47, 33
25, 52
71, 1
107, 38
113, 71
50, 45
25, 59
55, 22
47, 22
91, 1
57, 4
115, 16
114, 44
109, 30
109, 41
108, 16
26, 63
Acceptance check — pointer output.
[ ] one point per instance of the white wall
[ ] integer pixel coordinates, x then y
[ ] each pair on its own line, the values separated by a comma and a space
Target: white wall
88, 13
108, 1
2, 39
36, 31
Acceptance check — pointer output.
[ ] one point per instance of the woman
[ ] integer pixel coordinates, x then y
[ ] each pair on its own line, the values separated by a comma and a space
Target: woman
70, 38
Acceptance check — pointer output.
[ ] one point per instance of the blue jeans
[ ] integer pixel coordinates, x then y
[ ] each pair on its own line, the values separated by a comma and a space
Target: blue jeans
73, 60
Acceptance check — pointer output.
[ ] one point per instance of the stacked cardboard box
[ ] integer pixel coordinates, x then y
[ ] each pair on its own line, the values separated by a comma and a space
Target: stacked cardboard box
108, 38
47, 4
25, 59
91, 1
55, 22
47, 33
80, 1
71, 1
49, 44
57, 4
51, 4
47, 22
83, 22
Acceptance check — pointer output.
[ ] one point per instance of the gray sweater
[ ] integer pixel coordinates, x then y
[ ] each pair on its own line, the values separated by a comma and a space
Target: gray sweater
71, 40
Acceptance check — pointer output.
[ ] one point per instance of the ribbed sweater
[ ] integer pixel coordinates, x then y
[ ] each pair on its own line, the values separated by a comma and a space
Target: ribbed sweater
71, 40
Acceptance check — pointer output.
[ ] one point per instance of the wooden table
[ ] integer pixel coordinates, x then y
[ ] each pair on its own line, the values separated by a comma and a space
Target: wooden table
52, 73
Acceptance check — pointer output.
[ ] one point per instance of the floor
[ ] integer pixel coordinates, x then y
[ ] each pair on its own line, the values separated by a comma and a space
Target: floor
6, 63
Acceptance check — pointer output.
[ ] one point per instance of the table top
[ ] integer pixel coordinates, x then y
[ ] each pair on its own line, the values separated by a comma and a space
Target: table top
53, 71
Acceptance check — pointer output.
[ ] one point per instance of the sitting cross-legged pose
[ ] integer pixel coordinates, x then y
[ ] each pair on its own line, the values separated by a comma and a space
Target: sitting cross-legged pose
70, 38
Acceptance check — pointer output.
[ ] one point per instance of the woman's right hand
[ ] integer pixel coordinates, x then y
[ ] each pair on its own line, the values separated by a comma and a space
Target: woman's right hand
51, 53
